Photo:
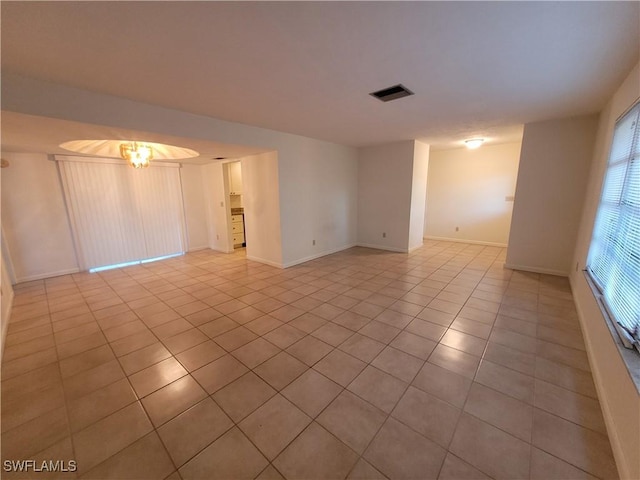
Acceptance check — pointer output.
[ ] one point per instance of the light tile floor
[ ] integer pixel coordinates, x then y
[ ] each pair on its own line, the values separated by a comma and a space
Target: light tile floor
362, 364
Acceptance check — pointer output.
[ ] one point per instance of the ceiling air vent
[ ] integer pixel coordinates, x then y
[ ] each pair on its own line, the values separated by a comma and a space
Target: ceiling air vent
392, 93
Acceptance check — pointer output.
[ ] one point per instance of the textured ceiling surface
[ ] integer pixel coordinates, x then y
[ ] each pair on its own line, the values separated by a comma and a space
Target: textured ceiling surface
477, 68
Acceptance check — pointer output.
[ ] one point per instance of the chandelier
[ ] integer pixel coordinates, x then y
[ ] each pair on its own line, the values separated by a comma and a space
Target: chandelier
137, 154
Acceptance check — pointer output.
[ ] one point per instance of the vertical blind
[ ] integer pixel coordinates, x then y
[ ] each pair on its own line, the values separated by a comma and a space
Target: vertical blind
120, 214
614, 255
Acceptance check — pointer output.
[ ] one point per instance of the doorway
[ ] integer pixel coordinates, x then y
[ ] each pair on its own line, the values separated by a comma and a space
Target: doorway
236, 204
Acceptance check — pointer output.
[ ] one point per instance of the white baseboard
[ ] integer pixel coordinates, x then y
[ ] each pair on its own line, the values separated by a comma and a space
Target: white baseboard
197, 249
462, 240
528, 268
412, 249
614, 438
266, 262
221, 250
40, 276
382, 247
317, 255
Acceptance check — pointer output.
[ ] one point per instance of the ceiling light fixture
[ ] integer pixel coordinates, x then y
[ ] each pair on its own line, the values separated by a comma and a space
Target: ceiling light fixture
474, 142
137, 154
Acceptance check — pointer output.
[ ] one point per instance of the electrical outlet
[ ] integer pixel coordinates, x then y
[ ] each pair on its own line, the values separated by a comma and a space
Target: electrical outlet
457, 229
222, 204
313, 242
384, 234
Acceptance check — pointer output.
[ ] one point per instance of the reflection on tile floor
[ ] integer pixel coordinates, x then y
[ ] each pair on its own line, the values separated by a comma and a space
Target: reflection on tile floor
362, 364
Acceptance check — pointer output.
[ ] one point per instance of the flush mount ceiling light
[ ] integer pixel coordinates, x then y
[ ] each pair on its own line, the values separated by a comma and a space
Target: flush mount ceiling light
137, 154
474, 142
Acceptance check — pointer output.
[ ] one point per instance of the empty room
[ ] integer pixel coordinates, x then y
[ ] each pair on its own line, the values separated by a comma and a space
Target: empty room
320, 240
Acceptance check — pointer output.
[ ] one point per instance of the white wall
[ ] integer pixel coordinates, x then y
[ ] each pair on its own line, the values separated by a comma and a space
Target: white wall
260, 193
418, 194
552, 179
36, 225
467, 190
195, 210
218, 217
318, 200
618, 394
385, 177
317, 180
34, 218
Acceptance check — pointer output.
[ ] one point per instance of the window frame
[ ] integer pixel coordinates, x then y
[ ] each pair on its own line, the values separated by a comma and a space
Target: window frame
626, 337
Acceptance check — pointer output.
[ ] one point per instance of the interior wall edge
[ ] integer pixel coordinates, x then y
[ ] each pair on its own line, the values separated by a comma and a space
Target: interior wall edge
534, 269
6, 318
7, 262
7, 305
414, 248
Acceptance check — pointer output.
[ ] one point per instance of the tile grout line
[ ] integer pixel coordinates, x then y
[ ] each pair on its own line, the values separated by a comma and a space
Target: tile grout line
397, 278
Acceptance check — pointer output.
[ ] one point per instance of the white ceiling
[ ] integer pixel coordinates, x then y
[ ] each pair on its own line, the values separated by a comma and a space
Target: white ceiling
477, 68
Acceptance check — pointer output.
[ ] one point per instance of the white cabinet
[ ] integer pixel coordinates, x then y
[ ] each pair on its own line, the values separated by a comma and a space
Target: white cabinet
235, 178
237, 228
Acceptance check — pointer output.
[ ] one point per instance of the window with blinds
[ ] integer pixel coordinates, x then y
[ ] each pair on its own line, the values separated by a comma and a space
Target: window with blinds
614, 256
